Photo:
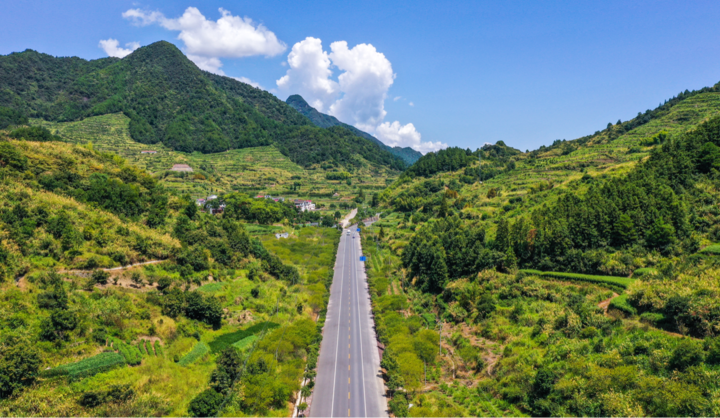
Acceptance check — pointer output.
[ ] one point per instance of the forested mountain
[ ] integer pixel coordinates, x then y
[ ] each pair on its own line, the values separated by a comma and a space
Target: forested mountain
539, 268
169, 100
322, 120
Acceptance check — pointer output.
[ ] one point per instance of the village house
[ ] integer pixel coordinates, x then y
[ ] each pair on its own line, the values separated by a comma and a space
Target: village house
148, 152
282, 235
182, 168
304, 205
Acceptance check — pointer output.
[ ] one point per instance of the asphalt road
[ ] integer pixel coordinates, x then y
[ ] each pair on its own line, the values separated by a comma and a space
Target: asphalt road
348, 382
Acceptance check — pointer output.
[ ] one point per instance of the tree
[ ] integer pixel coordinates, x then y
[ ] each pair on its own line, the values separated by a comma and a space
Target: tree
302, 407
426, 345
491, 193
502, 236
687, 353
411, 369
709, 157
228, 368
19, 364
624, 230
136, 278
56, 298
191, 209
337, 215
661, 234
206, 404
100, 277
58, 325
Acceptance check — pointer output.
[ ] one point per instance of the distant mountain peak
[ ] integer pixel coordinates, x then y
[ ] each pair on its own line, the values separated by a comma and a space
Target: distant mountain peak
322, 120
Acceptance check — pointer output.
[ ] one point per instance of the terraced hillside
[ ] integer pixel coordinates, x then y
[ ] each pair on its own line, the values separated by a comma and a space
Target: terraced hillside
262, 170
118, 298
538, 176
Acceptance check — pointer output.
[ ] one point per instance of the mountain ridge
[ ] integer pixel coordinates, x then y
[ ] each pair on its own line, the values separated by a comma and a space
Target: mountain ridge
409, 155
170, 100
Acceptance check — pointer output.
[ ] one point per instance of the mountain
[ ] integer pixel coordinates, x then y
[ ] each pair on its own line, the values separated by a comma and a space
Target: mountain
169, 100
322, 120
593, 245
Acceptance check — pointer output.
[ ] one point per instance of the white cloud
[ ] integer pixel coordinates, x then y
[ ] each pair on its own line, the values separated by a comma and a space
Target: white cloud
112, 48
411, 104
206, 41
365, 81
209, 64
248, 81
230, 36
397, 135
309, 74
358, 96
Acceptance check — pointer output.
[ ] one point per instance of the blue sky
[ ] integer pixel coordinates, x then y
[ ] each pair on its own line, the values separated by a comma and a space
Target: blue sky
526, 73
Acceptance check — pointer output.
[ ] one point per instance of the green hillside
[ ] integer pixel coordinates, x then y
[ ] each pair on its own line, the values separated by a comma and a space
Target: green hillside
258, 170
119, 298
517, 276
170, 101
322, 120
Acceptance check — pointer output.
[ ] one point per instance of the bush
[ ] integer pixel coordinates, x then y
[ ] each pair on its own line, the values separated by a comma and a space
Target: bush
19, 365
34, 133
652, 318
687, 353
206, 404
621, 304
399, 405
159, 349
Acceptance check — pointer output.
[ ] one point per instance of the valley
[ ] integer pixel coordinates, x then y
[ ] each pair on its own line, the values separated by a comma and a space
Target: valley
576, 279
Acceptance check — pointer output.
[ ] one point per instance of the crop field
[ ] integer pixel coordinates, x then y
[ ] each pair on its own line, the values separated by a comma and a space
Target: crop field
199, 350
260, 170
224, 341
611, 281
91, 366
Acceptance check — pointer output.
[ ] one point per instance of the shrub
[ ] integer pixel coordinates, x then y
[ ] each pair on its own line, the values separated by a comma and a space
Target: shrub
159, 349
621, 304
206, 404
687, 353
19, 364
652, 318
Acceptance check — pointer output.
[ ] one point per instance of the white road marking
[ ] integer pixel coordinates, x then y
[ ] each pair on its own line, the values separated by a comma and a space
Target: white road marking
362, 366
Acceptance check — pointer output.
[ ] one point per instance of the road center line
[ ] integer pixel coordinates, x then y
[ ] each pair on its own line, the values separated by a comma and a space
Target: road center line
360, 330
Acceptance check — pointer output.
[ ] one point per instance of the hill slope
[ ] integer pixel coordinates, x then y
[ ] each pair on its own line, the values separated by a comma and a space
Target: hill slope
87, 332
322, 120
170, 101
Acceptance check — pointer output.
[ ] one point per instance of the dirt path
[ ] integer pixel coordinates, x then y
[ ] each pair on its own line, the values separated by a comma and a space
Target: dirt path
22, 282
606, 303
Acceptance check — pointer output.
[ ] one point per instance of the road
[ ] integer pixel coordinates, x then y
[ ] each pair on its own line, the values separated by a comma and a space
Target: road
346, 220
348, 382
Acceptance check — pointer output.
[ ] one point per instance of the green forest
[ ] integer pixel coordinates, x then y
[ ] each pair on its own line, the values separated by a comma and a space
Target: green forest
170, 101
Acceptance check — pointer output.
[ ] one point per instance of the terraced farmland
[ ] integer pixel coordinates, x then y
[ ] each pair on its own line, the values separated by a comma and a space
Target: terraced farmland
261, 170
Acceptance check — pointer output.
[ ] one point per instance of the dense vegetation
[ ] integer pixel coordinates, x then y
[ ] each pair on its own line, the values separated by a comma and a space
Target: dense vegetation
67, 216
170, 101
